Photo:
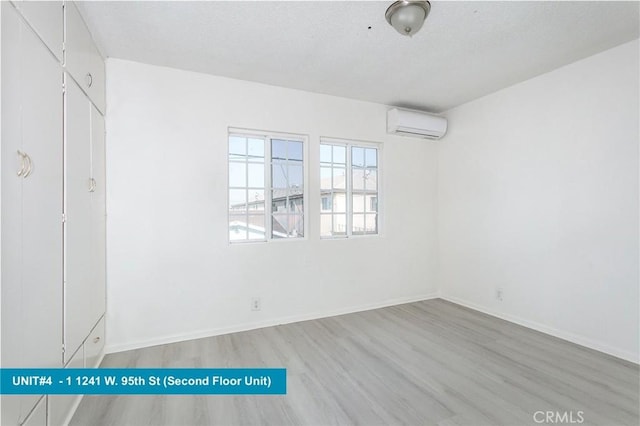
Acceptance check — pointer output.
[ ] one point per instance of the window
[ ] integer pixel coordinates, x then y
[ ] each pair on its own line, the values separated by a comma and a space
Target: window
348, 189
287, 189
266, 187
246, 188
364, 188
333, 190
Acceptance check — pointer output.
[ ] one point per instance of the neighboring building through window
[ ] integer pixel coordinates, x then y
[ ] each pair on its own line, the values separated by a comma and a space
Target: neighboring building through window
349, 183
266, 187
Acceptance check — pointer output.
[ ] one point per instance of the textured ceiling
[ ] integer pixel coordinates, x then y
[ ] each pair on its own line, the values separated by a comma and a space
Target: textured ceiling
346, 48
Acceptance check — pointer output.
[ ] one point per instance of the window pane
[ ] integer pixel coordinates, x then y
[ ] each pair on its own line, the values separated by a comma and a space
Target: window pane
325, 225
255, 230
279, 201
256, 200
237, 228
325, 204
339, 224
279, 226
371, 180
278, 149
237, 146
325, 153
247, 181
288, 188
237, 200
296, 183
357, 203
287, 226
371, 157
295, 150
237, 174
296, 192
371, 203
256, 175
296, 226
256, 149
339, 178
353, 199
357, 179
340, 154
371, 224
357, 156
296, 204
357, 227
339, 202
283, 204
279, 176
325, 178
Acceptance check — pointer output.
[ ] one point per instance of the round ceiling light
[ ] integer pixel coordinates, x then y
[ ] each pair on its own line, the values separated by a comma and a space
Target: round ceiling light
407, 16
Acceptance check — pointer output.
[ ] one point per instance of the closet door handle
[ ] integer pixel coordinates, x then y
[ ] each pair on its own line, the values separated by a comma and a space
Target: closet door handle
89, 79
22, 158
29, 166
92, 184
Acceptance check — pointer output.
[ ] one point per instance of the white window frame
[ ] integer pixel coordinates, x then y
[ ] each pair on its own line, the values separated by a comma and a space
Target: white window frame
349, 143
268, 213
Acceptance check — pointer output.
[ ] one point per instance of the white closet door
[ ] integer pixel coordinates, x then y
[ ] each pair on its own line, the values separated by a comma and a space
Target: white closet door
98, 220
11, 188
59, 406
78, 253
31, 207
12, 405
94, 346
83, 60
39, 415
42, 197
46, 18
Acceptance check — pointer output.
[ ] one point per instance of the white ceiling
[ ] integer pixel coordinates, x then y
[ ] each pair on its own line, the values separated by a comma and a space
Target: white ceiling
465, 49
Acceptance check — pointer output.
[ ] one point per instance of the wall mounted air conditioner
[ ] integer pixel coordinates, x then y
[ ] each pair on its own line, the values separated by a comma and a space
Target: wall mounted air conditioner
415, 123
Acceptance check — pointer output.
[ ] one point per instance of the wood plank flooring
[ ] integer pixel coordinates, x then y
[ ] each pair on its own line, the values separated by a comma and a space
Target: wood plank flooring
424, 363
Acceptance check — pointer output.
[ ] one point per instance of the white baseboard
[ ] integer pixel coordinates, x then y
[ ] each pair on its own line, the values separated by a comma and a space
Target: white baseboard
564, 335
267, 323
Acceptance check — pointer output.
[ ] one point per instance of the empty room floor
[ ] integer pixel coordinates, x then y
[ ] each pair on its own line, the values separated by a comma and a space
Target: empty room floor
423, 363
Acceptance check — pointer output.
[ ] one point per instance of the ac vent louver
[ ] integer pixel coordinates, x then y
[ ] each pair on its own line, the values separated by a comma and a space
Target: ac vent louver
416, 124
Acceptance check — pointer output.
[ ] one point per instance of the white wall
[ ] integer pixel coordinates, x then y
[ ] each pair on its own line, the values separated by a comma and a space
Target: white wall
538, 195
171, 272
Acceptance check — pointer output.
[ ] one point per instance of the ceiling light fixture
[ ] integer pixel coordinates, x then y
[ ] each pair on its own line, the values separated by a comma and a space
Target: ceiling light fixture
407, 16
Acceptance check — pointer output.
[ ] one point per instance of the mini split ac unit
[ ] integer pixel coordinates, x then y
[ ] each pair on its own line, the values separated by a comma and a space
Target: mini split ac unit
415, 123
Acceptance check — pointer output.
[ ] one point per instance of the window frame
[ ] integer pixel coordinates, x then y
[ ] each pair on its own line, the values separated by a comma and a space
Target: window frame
348, 144
268, 136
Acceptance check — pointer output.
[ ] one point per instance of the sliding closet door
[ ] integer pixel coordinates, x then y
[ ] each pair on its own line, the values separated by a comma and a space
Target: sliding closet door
42, 209
12, 165
78, 253
98, 218
32, 233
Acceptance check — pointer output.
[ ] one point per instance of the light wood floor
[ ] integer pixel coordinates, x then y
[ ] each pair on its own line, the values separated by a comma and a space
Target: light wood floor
425, 363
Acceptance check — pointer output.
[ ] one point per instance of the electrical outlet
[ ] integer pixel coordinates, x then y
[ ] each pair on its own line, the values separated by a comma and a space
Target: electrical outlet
255, 304
499, 293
